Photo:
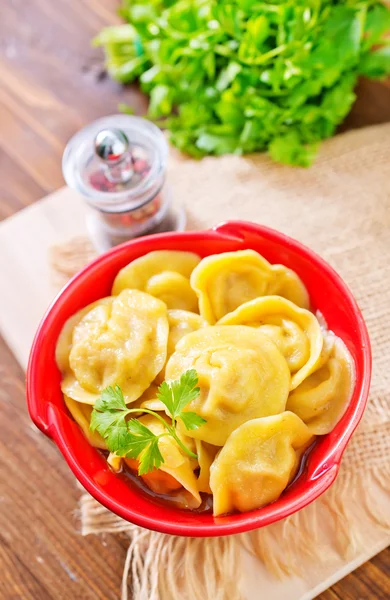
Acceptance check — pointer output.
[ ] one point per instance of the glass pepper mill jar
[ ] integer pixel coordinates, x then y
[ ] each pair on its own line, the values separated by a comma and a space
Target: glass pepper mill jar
118, 164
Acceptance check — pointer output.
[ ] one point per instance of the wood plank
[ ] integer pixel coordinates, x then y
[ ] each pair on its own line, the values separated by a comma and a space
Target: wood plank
371, 580
21, 189
328, 595
38, 523
17, 581
372, 105
34, 155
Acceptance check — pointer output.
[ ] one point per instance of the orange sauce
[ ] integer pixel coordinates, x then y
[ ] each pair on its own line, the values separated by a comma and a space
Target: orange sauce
178, 497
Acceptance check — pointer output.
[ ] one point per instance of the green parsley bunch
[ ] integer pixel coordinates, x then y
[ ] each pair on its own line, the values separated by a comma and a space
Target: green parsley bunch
129, 437
237, 76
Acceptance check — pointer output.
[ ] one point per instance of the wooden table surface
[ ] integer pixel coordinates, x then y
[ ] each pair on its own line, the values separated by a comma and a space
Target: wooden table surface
52, 83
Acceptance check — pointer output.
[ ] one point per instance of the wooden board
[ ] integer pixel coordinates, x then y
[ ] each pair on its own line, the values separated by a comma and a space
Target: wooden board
28, 288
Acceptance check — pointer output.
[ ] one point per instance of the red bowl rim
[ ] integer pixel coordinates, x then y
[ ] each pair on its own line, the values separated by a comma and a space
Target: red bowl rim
321, 479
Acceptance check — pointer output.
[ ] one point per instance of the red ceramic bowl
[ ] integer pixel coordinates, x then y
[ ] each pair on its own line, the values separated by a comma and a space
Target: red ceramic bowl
328, 293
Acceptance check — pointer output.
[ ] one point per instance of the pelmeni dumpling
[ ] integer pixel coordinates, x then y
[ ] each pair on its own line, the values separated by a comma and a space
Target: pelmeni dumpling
225, 281
257, 462
164, 274
82, 415
206, 454
176, 471
287, 284
70, 385
115, 462
321, 399
295, 331
122, 342
180, 323
241, 375
65, 339
149, 399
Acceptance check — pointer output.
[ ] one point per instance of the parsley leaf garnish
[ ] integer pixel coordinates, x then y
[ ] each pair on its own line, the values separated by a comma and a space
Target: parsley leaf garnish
191, 420
111, 398
132, 439
150, 458
177, 394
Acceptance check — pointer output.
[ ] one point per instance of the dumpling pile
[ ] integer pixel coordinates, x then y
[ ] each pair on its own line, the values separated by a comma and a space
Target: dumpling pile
271, 377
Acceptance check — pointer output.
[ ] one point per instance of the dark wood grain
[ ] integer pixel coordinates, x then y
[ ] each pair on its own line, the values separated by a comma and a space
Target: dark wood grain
51, 83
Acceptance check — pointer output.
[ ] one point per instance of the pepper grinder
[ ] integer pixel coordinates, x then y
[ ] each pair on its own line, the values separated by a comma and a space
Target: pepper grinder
118, 164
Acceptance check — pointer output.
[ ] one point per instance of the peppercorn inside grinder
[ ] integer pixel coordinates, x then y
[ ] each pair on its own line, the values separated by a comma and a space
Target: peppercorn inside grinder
118, 165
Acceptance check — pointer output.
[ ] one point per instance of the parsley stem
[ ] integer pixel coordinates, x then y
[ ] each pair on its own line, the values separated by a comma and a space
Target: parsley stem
170, 428
150, 412
178, 440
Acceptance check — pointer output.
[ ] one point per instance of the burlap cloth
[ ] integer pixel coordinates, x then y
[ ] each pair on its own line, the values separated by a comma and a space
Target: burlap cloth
340, 207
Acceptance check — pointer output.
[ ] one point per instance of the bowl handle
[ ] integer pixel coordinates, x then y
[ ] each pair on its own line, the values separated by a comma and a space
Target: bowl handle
238, 230
42, 419
249, 233
332, 456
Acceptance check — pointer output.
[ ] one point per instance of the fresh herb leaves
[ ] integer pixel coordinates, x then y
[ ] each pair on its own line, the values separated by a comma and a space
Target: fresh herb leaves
177, 394
230, 76
242, 76
150, 457
131, 438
